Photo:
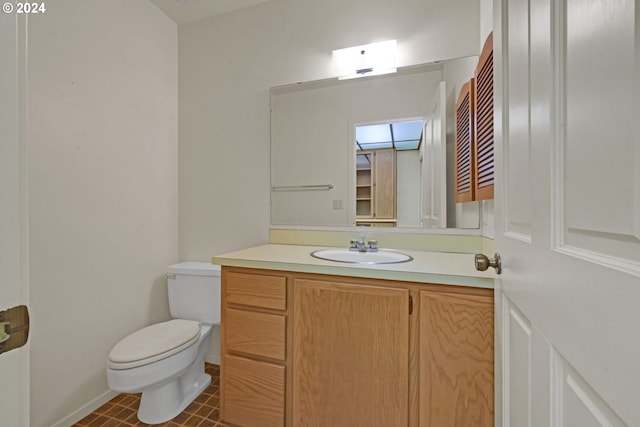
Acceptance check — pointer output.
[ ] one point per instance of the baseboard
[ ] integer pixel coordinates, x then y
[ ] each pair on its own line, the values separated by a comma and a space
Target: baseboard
212, 358
79, 414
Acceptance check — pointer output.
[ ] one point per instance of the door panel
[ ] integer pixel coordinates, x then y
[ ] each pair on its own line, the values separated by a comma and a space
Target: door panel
517, 177
434, 171
14, 364
567, 210
517, 373
601, 210
576, 403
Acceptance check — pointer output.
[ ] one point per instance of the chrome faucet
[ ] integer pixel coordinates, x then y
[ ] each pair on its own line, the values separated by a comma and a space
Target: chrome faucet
360, 246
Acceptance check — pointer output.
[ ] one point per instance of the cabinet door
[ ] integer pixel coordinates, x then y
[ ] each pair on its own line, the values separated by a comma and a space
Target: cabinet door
483, 123
464, 143
350, 351
384, 184
456, 360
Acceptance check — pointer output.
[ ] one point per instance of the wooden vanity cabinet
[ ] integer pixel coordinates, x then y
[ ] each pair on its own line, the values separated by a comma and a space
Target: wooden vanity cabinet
253, 348
304, 349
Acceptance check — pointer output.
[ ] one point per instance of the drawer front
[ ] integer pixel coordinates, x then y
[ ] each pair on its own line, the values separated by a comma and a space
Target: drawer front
253, 393
256, 290
259, 334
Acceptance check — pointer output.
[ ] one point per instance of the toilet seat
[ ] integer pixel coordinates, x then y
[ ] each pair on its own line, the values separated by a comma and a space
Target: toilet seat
153, 343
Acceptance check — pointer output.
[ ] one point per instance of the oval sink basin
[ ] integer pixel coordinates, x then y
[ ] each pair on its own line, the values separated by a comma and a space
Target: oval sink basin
355, 257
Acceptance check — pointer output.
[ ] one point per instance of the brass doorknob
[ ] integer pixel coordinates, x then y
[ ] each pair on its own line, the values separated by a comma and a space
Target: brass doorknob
483, 262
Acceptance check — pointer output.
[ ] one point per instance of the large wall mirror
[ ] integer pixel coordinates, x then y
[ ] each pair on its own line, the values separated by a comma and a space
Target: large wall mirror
344, 152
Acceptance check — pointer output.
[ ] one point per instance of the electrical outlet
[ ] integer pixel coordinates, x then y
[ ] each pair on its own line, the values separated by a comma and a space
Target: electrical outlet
338, 205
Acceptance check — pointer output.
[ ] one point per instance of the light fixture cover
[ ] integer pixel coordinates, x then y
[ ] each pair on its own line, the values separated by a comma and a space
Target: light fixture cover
365, 60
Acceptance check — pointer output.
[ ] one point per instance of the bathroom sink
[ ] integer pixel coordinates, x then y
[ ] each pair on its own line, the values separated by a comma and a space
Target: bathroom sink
355, 257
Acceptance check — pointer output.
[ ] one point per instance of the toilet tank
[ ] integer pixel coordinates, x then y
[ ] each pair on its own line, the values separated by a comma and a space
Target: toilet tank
194, 291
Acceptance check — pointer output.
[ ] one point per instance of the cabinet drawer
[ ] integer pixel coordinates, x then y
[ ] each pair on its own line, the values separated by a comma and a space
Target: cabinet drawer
259, 334
256, 290
252, 392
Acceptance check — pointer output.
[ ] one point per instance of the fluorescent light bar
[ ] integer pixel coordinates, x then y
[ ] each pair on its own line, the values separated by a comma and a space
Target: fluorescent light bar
365, 60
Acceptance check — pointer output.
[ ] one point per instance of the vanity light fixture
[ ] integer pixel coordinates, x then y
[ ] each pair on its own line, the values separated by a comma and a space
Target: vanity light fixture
366, 60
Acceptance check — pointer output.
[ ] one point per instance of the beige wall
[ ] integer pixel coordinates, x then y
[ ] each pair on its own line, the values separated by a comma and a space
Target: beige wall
229, 62
103, 190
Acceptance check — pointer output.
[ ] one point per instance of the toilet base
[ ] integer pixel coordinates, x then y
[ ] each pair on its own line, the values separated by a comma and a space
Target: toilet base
168, 401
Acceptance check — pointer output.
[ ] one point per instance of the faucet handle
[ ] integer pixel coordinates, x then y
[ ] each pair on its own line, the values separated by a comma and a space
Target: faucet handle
373, 245
354, 244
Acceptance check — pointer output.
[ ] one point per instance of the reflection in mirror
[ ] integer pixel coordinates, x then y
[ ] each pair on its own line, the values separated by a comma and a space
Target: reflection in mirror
314, 155
382, 149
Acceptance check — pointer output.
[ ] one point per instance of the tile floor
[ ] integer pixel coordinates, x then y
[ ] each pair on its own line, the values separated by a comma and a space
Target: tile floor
121, 410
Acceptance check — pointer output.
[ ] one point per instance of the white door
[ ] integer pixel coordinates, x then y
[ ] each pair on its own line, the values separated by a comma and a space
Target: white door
568, 212
434, 162
14, 365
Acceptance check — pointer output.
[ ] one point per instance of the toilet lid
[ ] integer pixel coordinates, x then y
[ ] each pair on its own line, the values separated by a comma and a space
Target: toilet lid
153, 343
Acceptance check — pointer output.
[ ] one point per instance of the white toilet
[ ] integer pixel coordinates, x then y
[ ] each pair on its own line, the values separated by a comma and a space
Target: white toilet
165, 361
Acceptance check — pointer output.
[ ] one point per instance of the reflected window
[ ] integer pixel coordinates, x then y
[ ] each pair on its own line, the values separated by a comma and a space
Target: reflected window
400, 135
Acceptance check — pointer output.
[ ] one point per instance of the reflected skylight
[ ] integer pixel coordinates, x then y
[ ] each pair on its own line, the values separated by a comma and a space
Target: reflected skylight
400, 135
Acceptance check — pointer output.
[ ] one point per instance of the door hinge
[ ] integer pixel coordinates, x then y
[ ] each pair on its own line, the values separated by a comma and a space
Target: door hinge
410, 304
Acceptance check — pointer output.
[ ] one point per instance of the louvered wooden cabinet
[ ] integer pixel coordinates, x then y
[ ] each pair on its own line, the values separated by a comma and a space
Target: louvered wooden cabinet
464, 143
483, 126
474, 132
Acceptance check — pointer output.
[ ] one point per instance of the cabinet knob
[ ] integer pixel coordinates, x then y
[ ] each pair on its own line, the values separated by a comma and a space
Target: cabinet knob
483, 262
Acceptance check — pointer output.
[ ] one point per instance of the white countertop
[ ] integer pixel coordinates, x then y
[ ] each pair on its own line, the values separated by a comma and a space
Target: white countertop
426, 267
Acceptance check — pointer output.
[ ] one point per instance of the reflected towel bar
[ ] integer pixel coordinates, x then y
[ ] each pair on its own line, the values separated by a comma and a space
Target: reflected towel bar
302, 187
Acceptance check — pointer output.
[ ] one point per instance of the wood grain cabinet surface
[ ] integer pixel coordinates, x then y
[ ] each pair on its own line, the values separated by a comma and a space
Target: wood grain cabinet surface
474, 134
456, 360
253, 348
350, 346
312, 350
376, 187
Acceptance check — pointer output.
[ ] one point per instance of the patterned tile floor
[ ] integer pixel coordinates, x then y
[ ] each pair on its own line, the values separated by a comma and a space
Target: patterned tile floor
121, 410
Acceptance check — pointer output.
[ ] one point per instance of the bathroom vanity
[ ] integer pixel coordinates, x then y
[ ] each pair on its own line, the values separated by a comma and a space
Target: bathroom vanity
308, 342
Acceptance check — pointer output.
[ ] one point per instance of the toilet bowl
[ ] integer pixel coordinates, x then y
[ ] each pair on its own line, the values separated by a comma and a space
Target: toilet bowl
165, 361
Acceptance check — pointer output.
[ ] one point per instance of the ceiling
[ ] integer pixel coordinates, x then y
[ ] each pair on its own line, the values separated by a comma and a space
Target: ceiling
185, 11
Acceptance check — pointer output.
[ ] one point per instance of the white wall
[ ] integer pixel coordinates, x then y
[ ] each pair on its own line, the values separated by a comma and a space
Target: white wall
103, 190
486, 20
229, 62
